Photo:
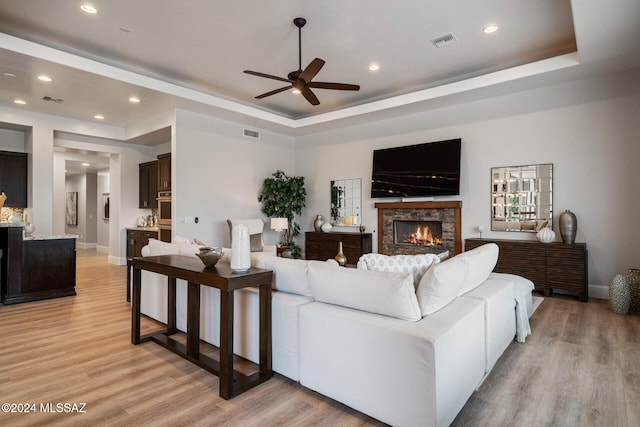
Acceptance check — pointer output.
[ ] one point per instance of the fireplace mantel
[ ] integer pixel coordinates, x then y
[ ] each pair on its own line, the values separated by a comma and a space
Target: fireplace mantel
402, 209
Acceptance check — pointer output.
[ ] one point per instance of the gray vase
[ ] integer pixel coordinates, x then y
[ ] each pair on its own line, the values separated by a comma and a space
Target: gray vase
568, 226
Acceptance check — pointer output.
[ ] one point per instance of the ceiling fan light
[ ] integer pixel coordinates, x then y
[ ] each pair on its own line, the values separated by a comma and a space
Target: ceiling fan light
296, 91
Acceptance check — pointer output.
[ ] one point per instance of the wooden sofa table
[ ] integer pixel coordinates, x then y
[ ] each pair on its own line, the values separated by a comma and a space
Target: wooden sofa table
221, 277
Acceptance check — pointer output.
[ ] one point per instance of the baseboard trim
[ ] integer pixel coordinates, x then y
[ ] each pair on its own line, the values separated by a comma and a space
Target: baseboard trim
117, 260
102, 249
83, 245
598, 291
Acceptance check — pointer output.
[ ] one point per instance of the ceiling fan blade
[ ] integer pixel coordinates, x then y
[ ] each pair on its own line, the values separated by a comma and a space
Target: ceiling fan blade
336, 86
310, 96
312, 69
267, 76
273, 92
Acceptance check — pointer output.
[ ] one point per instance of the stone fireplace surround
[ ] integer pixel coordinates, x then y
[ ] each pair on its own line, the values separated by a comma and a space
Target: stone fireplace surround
448, 212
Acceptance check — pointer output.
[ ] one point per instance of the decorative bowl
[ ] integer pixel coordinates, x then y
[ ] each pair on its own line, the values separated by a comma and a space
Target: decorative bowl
210, 256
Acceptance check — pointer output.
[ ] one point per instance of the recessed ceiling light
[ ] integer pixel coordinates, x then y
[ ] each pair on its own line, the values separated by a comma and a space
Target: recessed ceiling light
20, 102
8, 74
491, 28
374, 67
89, 9
134, 100
86, 164
98, 117
44, 78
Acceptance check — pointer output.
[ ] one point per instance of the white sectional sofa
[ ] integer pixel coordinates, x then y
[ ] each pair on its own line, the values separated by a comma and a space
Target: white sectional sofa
406, 348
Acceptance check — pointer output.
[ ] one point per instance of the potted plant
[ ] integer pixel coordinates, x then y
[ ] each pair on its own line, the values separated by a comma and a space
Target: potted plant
284, 196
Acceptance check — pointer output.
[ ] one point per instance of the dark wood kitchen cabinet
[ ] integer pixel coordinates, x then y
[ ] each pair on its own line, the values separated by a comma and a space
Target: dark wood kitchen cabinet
164, 172
148, 185
35, 269
137, 239
13, 178
324, 246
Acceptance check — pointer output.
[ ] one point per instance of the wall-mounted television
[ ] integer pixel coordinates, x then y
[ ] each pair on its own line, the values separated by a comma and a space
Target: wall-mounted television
421, 170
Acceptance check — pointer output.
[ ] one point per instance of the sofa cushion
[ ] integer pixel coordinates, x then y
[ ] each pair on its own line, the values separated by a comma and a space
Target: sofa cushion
441, 284
387, 293
480, 263
290, 275
416, 265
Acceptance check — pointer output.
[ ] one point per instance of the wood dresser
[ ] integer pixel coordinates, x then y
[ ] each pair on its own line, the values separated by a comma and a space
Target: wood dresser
550, 266
324, 246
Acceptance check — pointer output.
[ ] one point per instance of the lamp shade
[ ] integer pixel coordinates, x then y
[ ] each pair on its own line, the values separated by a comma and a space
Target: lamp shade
279, 224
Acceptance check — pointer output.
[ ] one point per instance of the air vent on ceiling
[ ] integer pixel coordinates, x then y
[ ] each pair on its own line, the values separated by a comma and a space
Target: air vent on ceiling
251, 133
444, 40
49, 98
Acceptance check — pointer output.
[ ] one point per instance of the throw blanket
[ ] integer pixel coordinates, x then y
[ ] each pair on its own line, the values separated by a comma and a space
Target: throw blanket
523, 288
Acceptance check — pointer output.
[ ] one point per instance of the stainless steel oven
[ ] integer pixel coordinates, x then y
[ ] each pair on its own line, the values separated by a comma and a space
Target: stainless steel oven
164, 208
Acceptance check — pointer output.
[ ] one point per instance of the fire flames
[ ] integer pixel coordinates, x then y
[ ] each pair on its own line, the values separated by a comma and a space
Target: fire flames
423, 237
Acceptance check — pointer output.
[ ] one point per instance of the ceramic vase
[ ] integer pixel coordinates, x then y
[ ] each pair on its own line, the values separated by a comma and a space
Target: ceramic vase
341, 258
619, 295
633, 279
546, 235
326, 227
240, 249
317, 223
568, 226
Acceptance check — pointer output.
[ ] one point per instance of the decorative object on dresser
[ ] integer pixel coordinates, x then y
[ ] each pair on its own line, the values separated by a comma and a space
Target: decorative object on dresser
317, 223
346, 196
550, 266
619, 294
326, 227
546, 234
568, 226
340, 258
323, 246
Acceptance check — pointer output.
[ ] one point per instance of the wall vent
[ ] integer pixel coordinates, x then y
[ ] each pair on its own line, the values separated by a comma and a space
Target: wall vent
444, 40
251, 133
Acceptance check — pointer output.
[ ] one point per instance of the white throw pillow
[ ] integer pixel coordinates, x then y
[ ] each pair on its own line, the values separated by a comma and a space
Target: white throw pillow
416, 265
386, 293
440, 285
290, 275
480, 263
158, 247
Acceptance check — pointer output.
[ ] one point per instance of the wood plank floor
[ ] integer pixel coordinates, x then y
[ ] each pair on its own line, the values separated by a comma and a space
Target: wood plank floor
581, 366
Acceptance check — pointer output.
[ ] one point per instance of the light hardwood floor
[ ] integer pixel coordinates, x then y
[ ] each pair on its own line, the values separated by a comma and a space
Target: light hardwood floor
580, 367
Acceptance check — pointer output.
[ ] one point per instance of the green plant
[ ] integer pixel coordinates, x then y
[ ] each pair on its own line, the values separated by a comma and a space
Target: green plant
284, 196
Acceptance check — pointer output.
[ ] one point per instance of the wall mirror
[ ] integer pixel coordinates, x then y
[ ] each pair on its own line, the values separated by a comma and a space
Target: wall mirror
346, 200
521, 197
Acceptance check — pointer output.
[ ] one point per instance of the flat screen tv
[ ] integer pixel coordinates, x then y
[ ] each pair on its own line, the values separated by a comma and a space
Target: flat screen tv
421, 170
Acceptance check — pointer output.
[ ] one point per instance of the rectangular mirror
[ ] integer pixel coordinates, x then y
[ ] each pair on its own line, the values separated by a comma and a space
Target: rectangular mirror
521, 197
346, 202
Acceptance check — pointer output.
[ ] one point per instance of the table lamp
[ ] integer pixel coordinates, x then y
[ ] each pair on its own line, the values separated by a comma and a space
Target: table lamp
279, 224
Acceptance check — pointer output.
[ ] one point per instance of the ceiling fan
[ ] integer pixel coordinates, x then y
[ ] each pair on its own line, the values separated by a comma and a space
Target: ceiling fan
302, 79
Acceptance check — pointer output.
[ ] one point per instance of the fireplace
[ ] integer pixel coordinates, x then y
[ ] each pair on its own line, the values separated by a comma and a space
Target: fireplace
419, 233
419, 227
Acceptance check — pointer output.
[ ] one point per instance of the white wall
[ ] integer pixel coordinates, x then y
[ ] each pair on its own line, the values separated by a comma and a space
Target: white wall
588, 129
217, 174
103, 225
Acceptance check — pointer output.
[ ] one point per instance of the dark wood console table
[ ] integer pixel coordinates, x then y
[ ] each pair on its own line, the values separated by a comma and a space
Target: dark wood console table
221, 277
550, 266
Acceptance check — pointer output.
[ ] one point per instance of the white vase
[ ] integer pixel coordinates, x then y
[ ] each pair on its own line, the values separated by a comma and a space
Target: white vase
240, 249
326, 227
546, 235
